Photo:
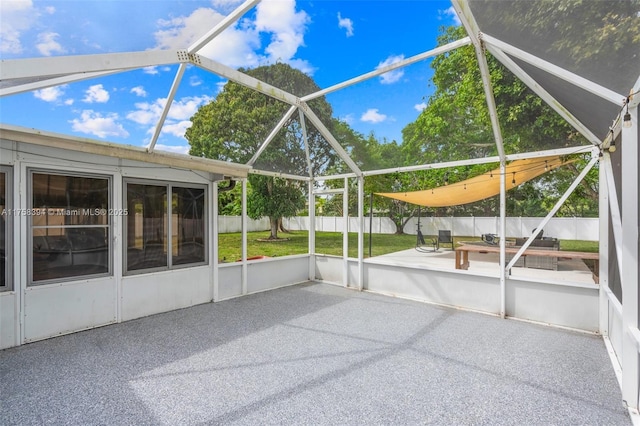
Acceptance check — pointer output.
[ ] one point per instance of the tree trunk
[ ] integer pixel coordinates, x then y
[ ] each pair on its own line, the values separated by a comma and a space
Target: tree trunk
281, 227
273, 221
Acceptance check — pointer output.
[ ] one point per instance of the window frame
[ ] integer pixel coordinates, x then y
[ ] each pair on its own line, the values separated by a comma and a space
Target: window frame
169, 185
109, 226
8, 223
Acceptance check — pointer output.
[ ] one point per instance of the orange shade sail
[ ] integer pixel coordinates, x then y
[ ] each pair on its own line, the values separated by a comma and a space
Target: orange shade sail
479, 187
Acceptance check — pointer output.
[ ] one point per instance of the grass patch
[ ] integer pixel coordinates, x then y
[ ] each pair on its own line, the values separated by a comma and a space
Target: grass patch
230, 245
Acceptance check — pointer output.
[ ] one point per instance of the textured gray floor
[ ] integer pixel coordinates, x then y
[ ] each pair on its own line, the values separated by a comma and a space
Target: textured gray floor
312, 354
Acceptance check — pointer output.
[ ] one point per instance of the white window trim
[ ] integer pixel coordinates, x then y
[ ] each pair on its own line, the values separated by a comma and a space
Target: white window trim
109, 226
169, 185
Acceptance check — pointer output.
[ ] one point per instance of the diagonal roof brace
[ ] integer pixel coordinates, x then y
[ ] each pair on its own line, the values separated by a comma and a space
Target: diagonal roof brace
556, 71
473, 30
308, 112
243, 79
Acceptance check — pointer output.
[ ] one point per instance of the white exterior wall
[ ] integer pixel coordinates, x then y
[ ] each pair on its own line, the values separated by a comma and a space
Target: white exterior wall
569, 305
30, 313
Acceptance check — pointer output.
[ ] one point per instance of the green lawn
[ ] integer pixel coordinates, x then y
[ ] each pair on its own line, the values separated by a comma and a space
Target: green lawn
331, 243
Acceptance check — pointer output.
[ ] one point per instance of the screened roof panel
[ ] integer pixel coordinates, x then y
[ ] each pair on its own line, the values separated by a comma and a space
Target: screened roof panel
593, 111
594, 39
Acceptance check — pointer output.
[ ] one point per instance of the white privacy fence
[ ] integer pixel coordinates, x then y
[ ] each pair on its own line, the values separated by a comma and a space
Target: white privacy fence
573, 228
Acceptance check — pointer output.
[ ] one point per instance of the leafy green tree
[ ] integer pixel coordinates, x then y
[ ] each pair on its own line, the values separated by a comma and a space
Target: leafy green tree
455, 125
234, 125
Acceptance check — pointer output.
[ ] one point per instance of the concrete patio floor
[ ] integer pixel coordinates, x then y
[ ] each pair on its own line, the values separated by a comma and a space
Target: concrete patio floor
312, 354
569, 270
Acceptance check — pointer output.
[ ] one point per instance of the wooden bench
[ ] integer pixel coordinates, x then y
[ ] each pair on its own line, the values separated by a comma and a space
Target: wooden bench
462, 255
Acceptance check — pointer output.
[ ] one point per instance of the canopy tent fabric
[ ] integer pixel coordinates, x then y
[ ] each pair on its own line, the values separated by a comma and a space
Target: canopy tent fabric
479, 187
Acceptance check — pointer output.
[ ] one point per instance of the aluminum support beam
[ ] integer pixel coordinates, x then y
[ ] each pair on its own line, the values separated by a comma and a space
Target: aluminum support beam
329, 191
345, 233
614, 209
556, 71
307, 155
167, 105
272, 135
243, 79
503, 241
629, 274
319, 125
52, 82
556, 207
280, 175
58, 66
245, 224
484, 160
312, 232
360, 233
400, 64
603, 250
215, 243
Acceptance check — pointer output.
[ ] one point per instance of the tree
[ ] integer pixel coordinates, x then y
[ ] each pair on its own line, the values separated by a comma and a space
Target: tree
234, 125
455, 125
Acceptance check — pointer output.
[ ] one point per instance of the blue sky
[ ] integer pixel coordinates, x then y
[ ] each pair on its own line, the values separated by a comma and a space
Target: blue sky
331, 41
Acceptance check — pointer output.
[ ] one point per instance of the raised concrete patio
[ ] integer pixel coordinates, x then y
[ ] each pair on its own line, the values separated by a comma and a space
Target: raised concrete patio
571, 270
313, 354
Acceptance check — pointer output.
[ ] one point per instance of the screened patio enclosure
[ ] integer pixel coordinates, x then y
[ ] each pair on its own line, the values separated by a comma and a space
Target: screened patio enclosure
174, 237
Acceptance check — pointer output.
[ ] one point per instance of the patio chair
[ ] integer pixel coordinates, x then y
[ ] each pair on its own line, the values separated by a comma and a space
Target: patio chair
421, 244
444, 237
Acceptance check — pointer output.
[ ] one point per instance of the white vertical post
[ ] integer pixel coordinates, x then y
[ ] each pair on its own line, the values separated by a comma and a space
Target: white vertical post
244, 236
629, 274
119, 244
214, 241
603, 237
360, 232
312, 233
502, 233
345, 233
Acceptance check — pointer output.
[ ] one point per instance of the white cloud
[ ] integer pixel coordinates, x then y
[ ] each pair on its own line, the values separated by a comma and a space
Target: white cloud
287, 26
345, 23
15, 18
451, 14
391, 76
94, 123
177, 129
349, 119
178, 149
195, 81
150, 70
183, 109
420, 107
50, 94
47, 44
372, 115
96, 93
139, 91
226, 5
177, 122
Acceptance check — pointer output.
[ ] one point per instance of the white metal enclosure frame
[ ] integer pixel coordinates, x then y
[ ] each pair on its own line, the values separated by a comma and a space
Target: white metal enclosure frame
19, 76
